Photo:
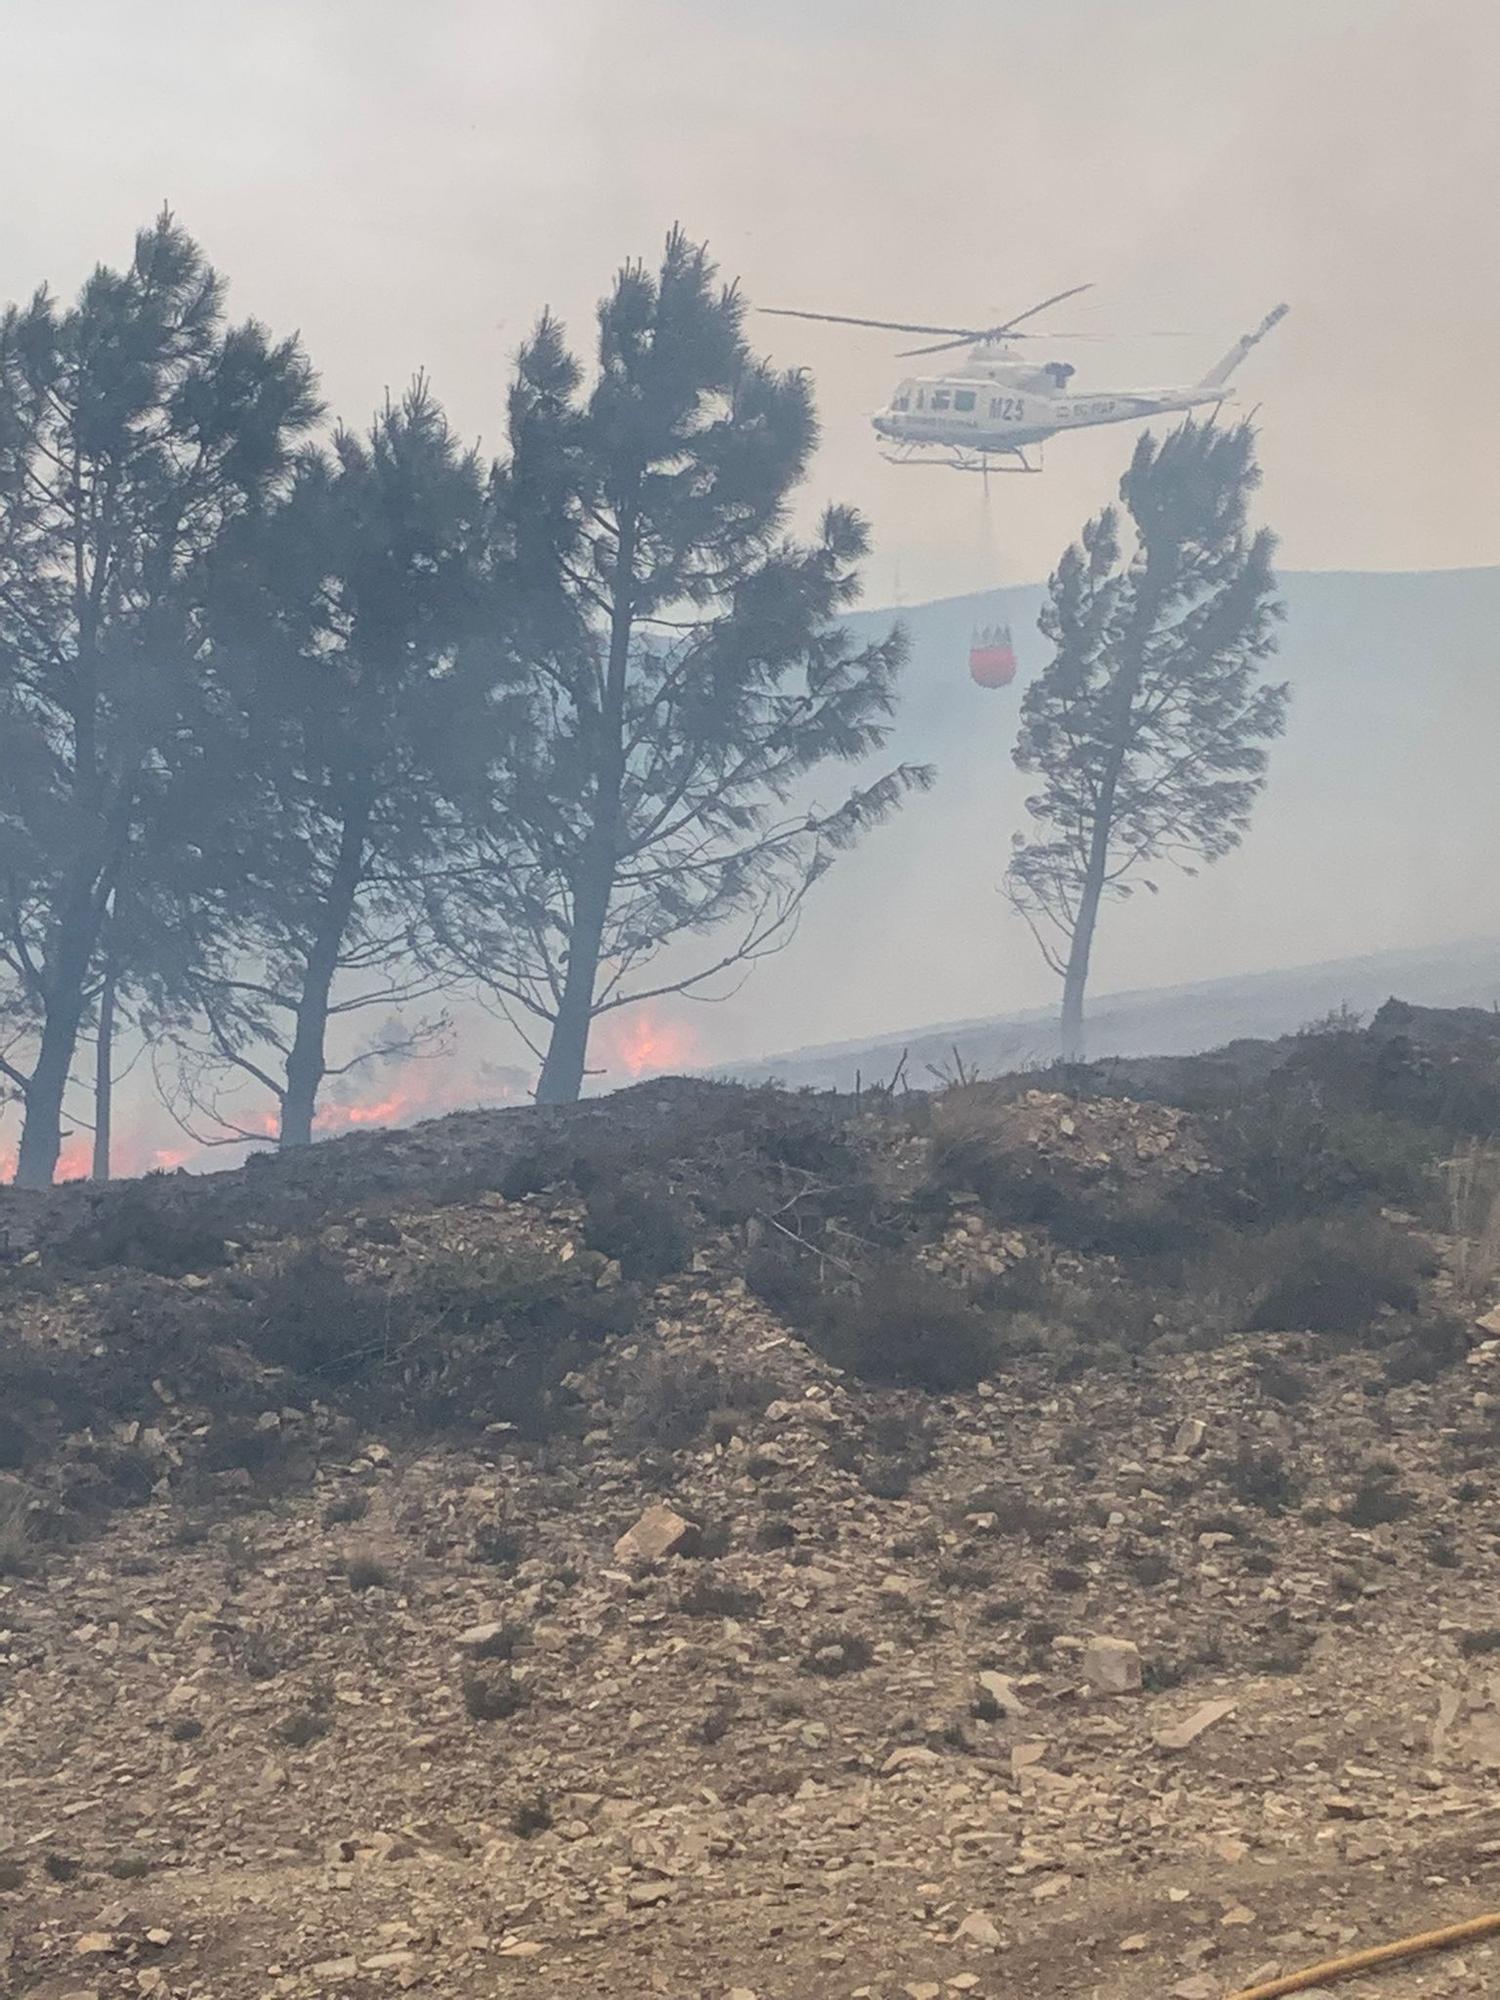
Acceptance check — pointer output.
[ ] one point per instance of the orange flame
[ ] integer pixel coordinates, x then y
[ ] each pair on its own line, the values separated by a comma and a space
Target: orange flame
420, 1093
646, 1044
386, 1112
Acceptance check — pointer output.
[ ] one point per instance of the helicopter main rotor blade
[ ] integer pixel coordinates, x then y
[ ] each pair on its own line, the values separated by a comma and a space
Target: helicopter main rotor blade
1005, 330
1004, 339
888, 325
1032, 311
942, 347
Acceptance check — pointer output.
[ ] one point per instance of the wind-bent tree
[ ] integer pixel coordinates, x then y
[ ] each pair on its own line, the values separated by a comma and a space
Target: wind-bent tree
356, 621
135, 428
1148, 729
687, 676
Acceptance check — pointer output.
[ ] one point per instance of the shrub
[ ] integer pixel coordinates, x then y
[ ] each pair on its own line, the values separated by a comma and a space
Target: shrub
531, 1816
17, 1537
1286, 1154
1281, 1383
1260, 1479
15, 1444
1431, 1348
1159, 1674
1001, 1611
710, 1596
1336, 1276
302, 1728
715, 1538
885, 1479
1149, 1569
367, 1572
311, 1316
642, 1230
346, 1508
1476, 1645
500, 1644
785, 1276
905, 1328
775, 1532
885, 1455
833, 1654
715, 1725
143, 1226
1015, 1512
670, 1402
962, 1573
499, 1544
1376, 1502
493, 1695
1037, 1638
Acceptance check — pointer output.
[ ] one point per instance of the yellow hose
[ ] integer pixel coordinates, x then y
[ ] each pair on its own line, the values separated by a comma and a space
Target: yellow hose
1366, 1961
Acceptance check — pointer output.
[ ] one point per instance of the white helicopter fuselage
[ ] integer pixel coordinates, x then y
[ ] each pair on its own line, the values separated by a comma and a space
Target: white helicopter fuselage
997, 404
999, 408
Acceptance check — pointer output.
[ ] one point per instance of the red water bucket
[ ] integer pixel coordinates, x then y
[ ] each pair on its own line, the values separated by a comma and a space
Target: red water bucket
992, 658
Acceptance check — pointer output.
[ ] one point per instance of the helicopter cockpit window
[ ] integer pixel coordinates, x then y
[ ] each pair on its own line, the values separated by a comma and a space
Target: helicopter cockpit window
901, 402
963, 399
940, 399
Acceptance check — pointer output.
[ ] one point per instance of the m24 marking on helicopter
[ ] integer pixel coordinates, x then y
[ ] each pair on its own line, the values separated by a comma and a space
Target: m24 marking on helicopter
983, 415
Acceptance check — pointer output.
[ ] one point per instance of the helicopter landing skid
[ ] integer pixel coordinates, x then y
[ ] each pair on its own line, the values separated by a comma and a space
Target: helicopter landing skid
957, 459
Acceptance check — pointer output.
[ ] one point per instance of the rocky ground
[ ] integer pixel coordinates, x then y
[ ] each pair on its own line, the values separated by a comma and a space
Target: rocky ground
753, 1679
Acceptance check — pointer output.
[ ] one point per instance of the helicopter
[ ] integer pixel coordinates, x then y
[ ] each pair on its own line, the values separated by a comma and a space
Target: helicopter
982, 416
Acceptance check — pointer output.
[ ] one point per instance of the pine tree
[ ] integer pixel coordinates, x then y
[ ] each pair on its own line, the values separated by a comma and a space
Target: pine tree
687, 674
1148, 728
356, 624
135, 428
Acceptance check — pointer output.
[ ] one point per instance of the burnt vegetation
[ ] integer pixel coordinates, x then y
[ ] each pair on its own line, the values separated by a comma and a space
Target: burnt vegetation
922, 1245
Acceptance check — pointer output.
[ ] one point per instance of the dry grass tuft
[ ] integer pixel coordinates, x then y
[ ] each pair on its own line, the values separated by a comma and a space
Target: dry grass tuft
1471, 1181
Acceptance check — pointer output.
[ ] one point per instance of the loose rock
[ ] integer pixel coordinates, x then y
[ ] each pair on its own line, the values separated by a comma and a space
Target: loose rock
660, 1532
1112, 1666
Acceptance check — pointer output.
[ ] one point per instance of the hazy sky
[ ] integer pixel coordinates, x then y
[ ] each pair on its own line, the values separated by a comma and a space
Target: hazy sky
409, 183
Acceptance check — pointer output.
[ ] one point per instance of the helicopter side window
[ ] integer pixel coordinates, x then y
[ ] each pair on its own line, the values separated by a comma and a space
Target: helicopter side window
940, 399
901, 403
963, 399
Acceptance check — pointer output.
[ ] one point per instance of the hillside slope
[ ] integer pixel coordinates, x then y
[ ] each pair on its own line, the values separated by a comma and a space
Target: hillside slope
708, 1542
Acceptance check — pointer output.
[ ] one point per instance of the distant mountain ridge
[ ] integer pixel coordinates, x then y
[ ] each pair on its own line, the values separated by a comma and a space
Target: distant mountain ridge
1176, 1020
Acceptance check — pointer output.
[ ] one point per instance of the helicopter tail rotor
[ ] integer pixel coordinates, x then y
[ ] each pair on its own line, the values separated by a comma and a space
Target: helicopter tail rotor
1221, 371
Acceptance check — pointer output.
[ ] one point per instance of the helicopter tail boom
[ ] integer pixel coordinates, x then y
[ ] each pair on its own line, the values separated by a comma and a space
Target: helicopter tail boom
1220, 373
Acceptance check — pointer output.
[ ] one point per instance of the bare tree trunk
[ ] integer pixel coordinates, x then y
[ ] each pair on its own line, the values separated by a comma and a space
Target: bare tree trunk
566, 1061
41, 1134
1073, 1042
103, 1068
67, 982
307, 1060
